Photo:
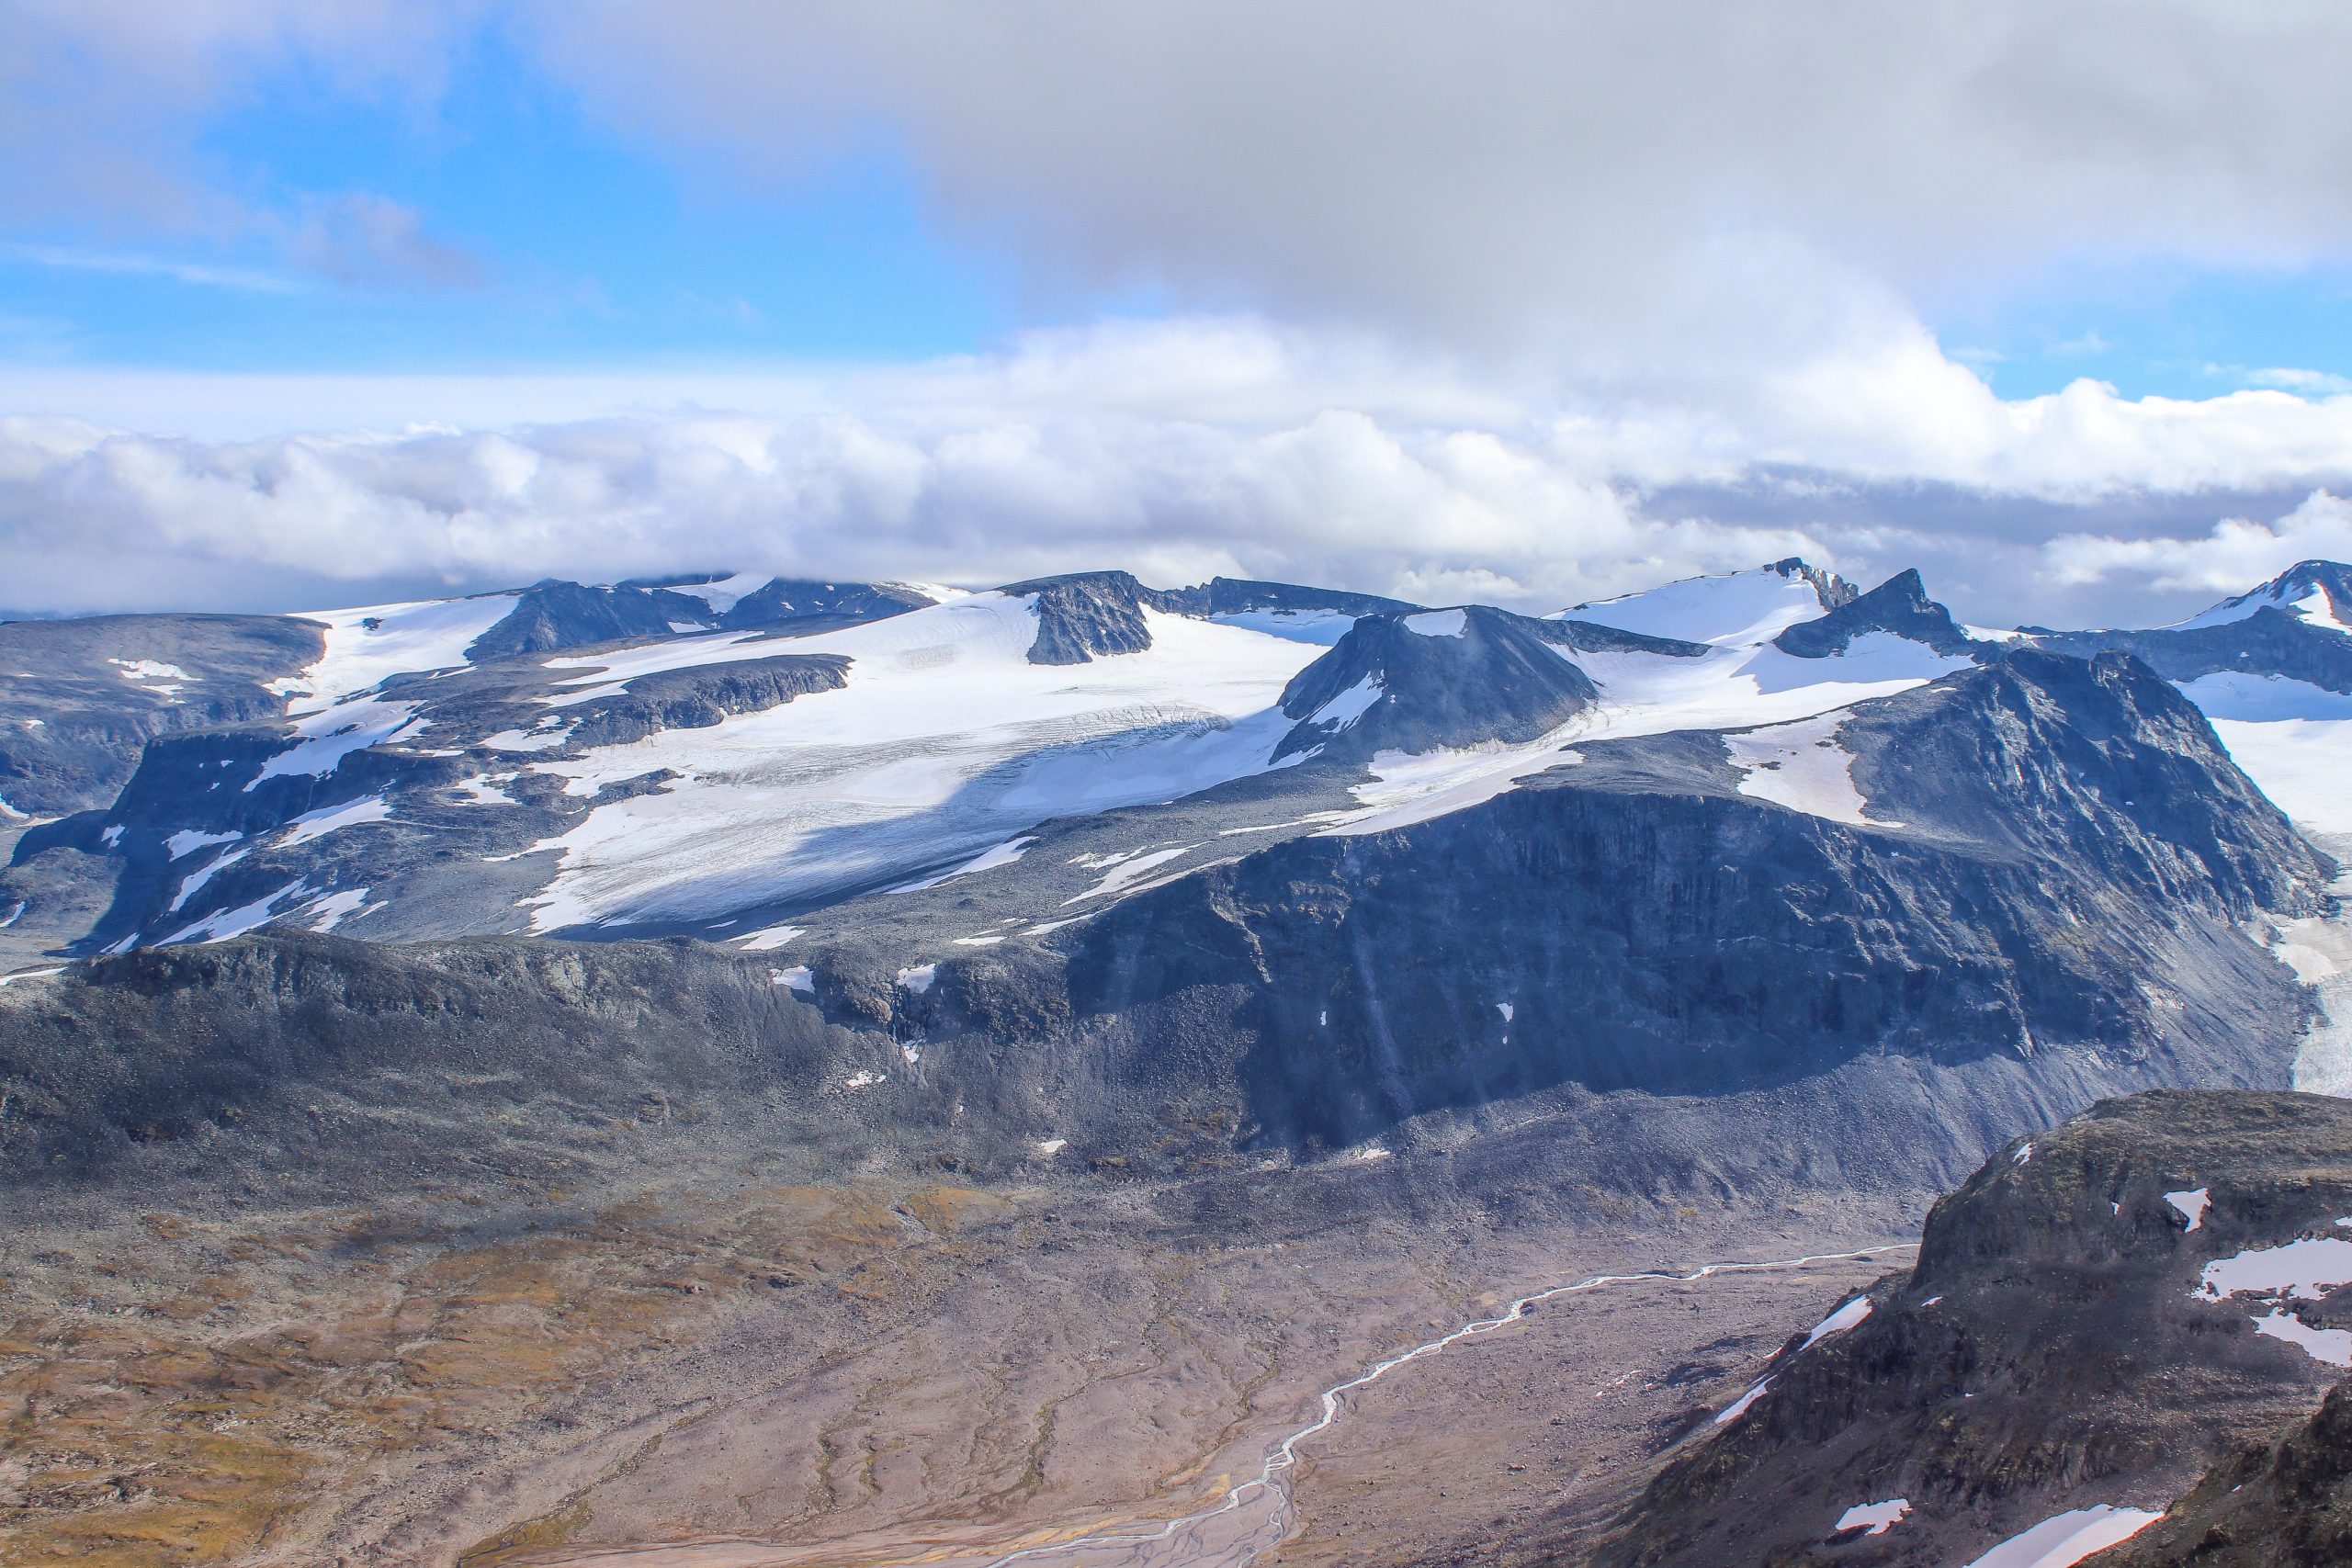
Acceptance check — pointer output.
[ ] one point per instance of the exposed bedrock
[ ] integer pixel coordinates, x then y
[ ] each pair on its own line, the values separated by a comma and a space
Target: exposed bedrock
2052, 1351
1899, 605
1433, 679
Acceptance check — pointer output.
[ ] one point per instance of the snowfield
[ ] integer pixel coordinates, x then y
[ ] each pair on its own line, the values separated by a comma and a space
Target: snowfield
944, 742
429, 633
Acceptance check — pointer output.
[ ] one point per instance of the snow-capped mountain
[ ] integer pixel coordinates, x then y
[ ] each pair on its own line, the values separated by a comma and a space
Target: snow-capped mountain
722, 755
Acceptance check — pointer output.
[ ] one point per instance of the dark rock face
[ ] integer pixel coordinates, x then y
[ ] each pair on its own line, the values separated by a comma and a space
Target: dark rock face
2049, 1352
1587, 637
1087, 615
421, 1049
216, 784
1654, 931
2268, 642
2282, 1504
1899, 605
1436, 678
1833, 591
80, 698
2102, 765
1099, 614
702, 695
807, 606
550, 615
1234, 597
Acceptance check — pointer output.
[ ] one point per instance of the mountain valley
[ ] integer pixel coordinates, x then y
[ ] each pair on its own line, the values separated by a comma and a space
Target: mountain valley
721, 1071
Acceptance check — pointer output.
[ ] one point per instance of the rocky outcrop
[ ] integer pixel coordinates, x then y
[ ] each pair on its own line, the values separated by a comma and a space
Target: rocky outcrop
1432, 679
1095, 615
1235, 596
1899, 605
2281, 1505
703, 695
1833, 591
551, 615
2052, 1351
1087, 616
80, 698
806, 606
1632, 923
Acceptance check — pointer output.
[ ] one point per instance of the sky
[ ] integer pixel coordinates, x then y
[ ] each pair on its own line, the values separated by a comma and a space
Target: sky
1515, 301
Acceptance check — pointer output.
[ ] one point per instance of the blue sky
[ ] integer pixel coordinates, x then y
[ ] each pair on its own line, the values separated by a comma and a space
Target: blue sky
1520, 300
568, 241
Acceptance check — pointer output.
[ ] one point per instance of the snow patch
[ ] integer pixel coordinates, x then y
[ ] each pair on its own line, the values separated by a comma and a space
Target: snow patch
1052, 1146
1738, 1407
2303, 1268
987, 860
30, 975
196, 880
769, 937
1801, 766
2332, 1345
327, 818
167, 678
1126, 869
2066, 1539
1439, 623
223, 924
330, 911
919, 979
1342, 711
2191, 1205
326, 737
864, 1076
721, 594
798, 978
1838, 1322
367, 644
1879, 1517
538, 738
187, 841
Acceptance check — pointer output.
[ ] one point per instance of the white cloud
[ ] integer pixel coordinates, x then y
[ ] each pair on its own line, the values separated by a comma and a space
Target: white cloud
2313, 383
1177, 449
1629, 187
2237, 553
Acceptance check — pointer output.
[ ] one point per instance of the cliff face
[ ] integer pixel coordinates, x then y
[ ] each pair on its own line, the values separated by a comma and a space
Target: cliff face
2053, 1351
2066, 858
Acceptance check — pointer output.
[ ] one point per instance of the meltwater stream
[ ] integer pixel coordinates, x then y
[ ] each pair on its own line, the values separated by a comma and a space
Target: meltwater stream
1255, 1514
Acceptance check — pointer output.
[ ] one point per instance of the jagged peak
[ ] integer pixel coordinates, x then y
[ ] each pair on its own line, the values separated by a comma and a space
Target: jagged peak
1430, 679
1899, 605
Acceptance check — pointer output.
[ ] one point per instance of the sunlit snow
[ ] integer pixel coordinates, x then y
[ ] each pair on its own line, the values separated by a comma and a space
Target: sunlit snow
2062, 1542
946, 739
1879, 1517
2191, 1205
1800, 766
1838, 1322
425, 635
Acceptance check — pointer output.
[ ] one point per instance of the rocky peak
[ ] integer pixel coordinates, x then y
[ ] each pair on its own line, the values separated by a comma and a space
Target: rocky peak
1899, 605
1432, 679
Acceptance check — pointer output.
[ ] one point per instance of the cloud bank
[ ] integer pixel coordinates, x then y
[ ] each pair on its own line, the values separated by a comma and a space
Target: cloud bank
1185, 448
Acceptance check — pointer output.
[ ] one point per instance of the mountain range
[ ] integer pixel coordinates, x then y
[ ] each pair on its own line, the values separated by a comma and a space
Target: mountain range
1188, 932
